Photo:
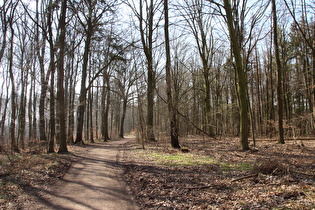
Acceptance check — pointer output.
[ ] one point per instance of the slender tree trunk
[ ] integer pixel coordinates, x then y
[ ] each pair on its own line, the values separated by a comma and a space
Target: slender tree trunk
71, 107
52, 121
14, 146
171, 111
52, 68
97, 111
40, 50
279, 75
22, 108
123, 117
82, 97
30, 102
60, 84
91, 115
241, 76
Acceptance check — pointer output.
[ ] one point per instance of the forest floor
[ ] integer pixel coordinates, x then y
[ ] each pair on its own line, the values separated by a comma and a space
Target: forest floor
215, 174
207, 174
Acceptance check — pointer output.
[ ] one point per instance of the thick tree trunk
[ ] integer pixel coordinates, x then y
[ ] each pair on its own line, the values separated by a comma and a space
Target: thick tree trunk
171, 110
105, 109
313, 71
60, 85
150, 99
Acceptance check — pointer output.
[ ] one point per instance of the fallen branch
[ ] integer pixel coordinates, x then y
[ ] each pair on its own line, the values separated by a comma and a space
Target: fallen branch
2, 149
244, 177
200, 187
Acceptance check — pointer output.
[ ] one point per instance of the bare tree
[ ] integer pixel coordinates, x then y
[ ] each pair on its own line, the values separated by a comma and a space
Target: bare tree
147, 27
200, 23
279, 73
90, 18
4, 10
11, 21
60, 84
171, 109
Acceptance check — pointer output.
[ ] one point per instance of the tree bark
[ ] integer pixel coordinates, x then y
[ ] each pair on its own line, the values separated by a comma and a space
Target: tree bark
14, 145
147, 42
52, 121
60, 84
171, 111
241, 76
279, 75
106, 105
40, 51
123, 117
82, 97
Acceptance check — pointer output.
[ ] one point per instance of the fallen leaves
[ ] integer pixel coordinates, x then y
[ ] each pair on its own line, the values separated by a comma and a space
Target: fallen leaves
28, 172
265, 179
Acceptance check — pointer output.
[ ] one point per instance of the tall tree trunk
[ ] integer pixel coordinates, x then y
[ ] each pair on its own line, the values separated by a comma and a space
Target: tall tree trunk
123, 117
105, 109
71, 105
40, 50
150, 99
22, 108
91, 133
241, 76
171, 110
279, 75
52, 68
82, 97
14, 145
30, 102
147, 43
60, 84
52, 121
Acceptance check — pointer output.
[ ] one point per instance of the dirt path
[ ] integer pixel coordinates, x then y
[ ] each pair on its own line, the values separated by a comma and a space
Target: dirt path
93, 183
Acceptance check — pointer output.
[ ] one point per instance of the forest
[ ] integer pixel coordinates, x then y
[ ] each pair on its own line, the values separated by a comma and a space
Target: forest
74, 72
85, 70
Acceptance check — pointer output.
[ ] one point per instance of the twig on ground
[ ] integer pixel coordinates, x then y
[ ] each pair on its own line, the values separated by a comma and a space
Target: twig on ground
244, 177
200, 187
2, 149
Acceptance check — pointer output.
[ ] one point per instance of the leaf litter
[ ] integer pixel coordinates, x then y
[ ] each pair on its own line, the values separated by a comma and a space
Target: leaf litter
272, 176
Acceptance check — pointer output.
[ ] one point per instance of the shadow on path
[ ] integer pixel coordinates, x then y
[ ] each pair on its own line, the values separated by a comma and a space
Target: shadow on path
94, 182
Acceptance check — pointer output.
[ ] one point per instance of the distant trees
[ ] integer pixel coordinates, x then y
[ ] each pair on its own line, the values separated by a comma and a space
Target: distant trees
146, 12
74, 71
89, 14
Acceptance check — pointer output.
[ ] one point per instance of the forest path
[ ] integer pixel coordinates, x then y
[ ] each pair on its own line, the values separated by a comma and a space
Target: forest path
95, 182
